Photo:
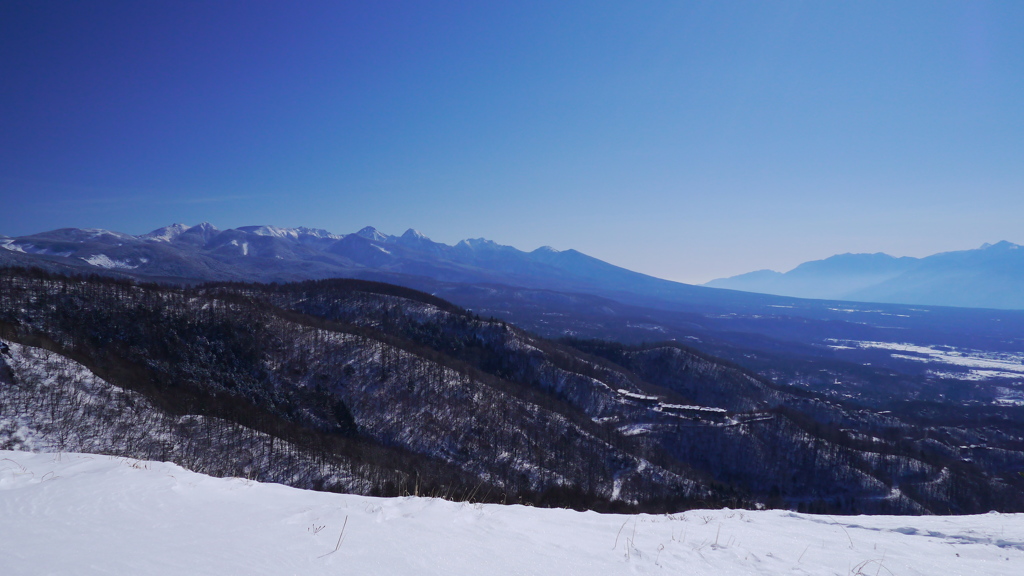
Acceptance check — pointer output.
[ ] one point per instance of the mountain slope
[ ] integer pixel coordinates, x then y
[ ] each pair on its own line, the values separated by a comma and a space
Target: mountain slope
333, 389
834, 278
991, 276
340, 383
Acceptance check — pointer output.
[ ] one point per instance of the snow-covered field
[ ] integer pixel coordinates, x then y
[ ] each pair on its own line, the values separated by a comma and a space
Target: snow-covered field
974, 364
88, 514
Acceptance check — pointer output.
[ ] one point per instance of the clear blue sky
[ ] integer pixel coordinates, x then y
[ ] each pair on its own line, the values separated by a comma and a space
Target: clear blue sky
688, 140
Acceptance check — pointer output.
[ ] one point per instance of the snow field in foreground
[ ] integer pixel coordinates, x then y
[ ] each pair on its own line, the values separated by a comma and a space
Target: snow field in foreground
88, 514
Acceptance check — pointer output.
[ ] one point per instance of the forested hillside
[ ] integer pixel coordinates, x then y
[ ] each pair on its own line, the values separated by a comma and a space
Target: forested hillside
377, 389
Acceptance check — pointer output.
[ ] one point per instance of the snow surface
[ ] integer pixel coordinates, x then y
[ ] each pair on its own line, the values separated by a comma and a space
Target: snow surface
982, 365
318, 233
7, 243
167, 233
636, 396
244, 246
104, 261
28, 248
694, 408
93, 233
412, 233
89, 514
292, 233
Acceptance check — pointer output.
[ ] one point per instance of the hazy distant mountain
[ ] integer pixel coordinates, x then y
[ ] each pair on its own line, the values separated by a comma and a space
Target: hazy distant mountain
832, 278
991, 276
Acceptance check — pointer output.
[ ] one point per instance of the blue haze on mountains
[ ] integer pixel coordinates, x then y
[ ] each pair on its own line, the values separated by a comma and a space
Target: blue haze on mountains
991, 276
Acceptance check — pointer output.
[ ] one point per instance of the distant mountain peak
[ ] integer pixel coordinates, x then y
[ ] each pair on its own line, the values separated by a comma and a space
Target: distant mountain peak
546, 249
413, 234
319, 233
204, 229
371, 233
167, 233
268, 230
478, 243
1001, 245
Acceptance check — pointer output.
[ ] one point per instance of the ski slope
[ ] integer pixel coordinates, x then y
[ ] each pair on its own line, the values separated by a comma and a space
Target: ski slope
89, 514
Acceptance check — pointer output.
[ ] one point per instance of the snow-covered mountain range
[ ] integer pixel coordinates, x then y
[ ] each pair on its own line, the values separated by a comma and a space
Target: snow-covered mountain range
269, 253
991, 276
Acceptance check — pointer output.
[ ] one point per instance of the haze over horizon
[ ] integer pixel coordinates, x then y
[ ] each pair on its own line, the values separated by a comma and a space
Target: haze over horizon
687, 142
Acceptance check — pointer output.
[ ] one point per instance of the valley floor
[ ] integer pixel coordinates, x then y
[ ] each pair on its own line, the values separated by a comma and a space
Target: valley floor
89, 514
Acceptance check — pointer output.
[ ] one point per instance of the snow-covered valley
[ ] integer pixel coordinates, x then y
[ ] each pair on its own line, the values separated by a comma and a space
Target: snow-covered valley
91, 514
972, 364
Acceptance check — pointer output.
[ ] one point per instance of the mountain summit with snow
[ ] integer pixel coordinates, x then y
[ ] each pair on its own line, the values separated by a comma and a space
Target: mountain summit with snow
269, 253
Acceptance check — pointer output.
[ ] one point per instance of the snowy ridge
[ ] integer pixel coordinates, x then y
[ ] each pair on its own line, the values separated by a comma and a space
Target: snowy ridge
318, 233
89, 514
167, 233
371, 233
413, 234
94, 233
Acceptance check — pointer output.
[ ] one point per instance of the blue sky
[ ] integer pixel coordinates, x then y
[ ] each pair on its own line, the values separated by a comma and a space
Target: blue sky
689, 140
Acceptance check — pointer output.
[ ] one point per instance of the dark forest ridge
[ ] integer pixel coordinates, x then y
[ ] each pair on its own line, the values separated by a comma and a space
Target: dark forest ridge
376, 389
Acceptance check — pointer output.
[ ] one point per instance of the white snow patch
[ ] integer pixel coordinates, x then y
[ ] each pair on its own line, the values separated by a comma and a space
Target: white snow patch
635, 396
33, 249
694, 408
243, 245
8, 244
104, 261
983, 365
93, 233
272, 231
635, 430
1010, 397
88, 514
646, 326
167, 233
